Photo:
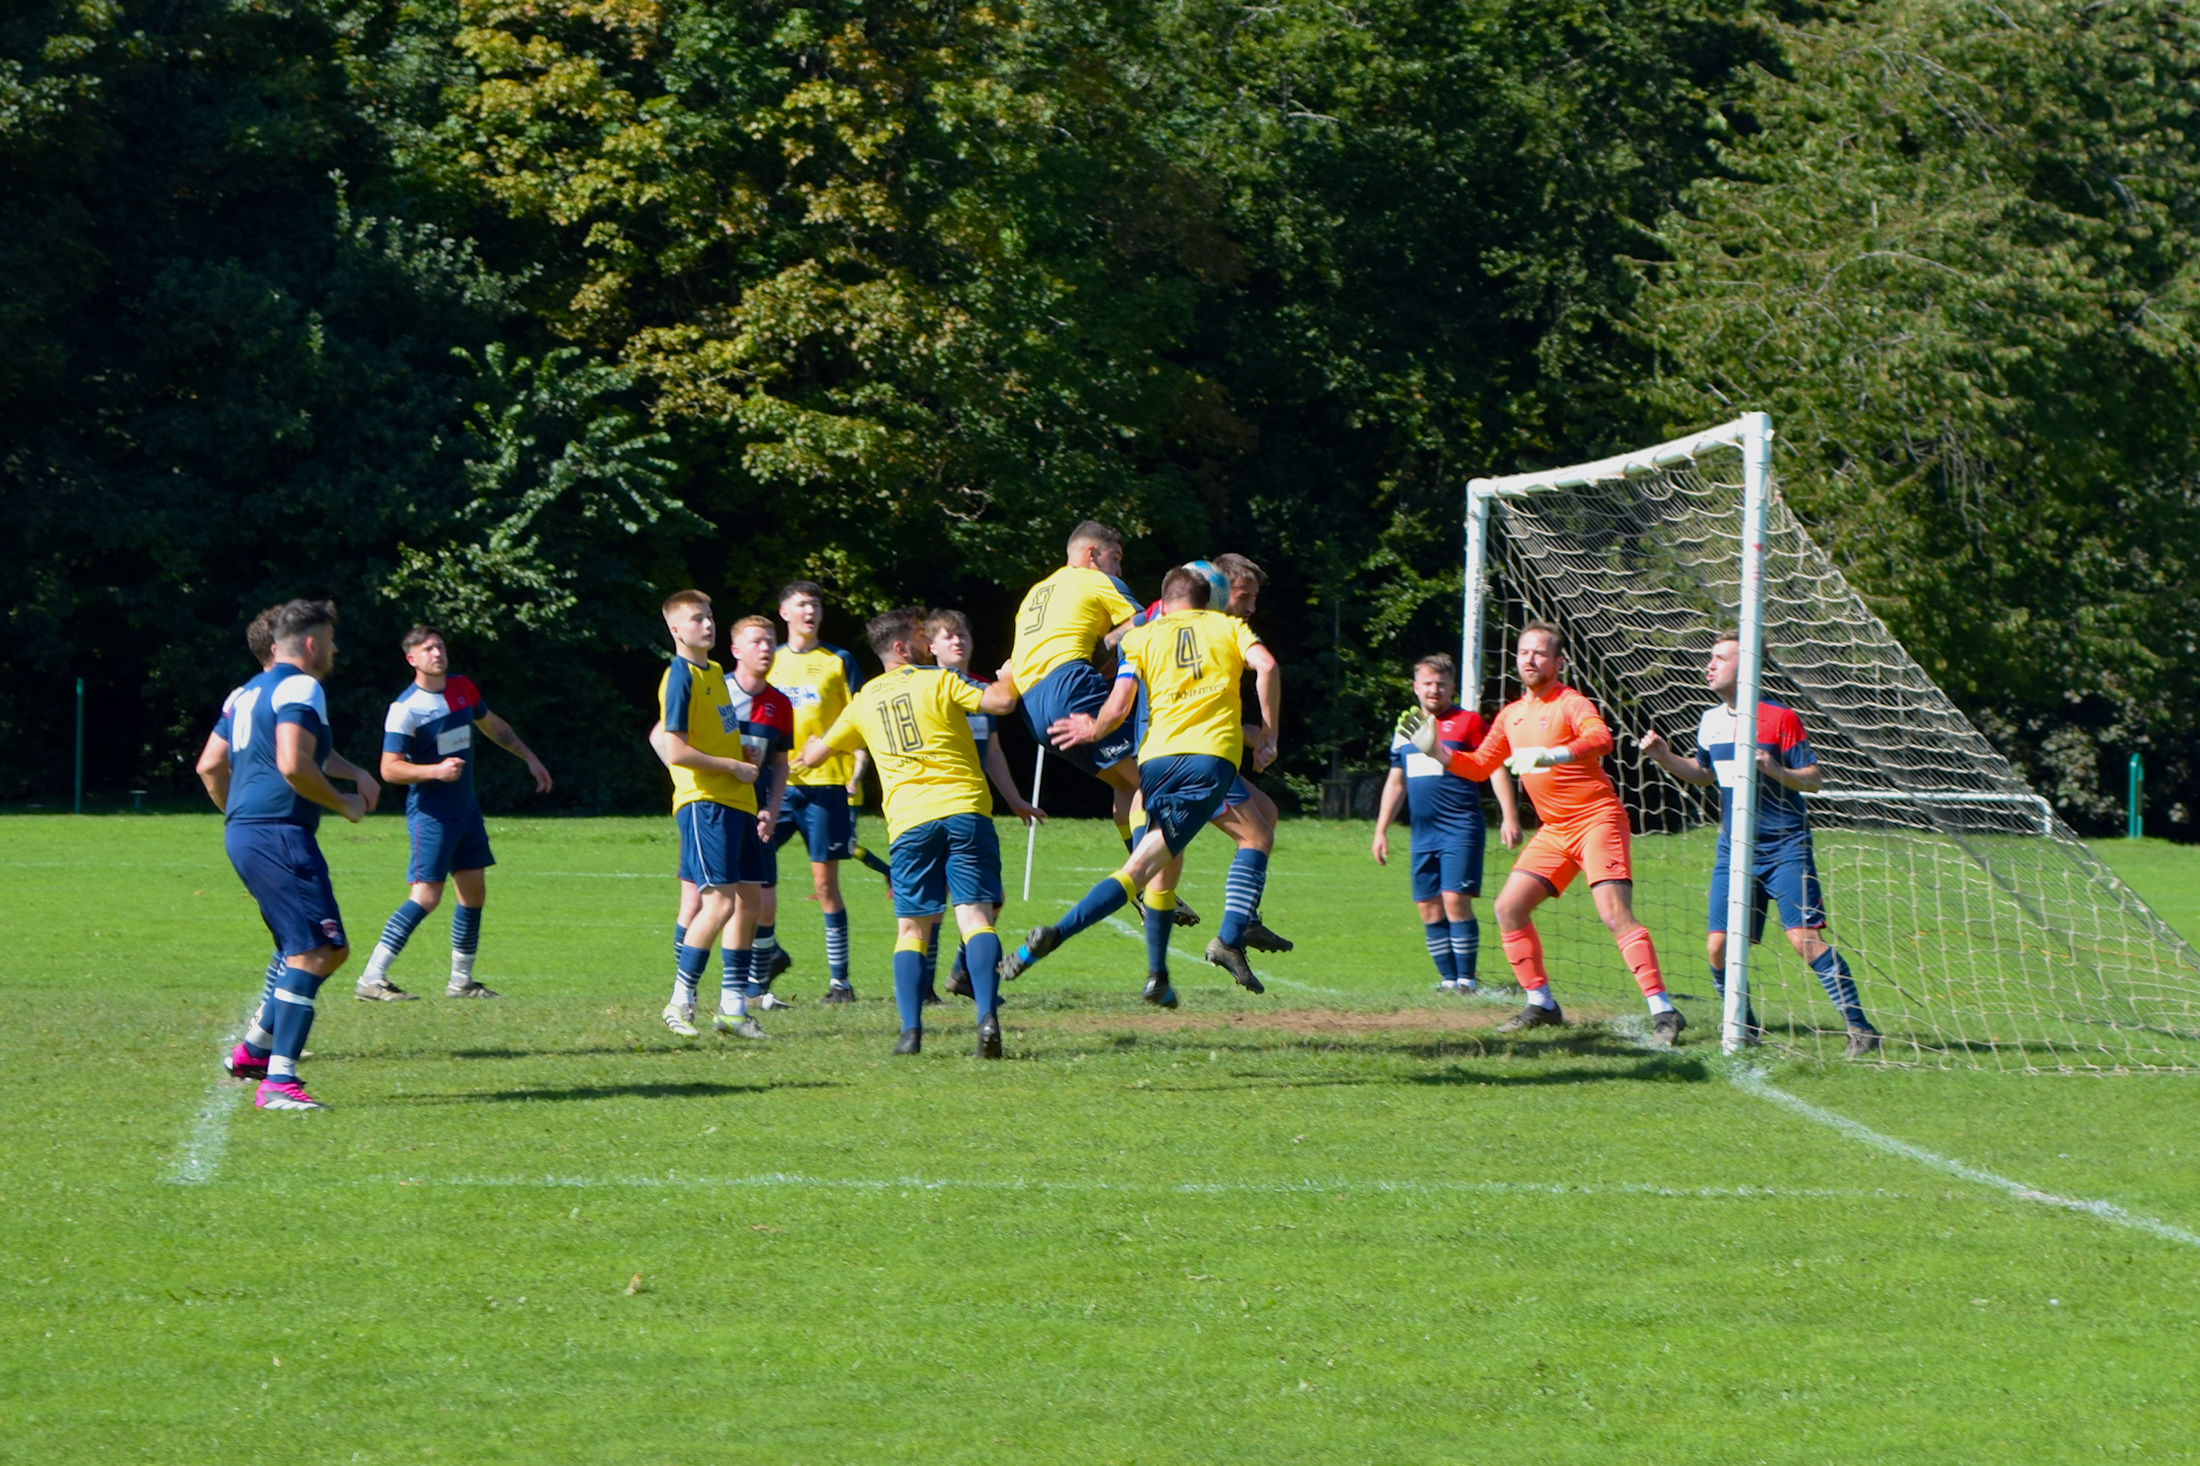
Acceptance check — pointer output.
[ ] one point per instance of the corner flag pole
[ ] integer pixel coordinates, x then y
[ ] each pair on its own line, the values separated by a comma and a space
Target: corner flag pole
1031, 826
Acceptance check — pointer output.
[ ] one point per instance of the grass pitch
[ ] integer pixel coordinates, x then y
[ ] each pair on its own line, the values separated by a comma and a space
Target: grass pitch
1343, 1222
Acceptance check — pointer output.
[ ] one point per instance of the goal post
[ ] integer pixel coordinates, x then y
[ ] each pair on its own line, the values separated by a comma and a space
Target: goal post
1974, 922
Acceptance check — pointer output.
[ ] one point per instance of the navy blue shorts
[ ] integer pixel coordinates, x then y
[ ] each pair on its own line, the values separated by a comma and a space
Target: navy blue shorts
1181, 792
953, 861
1785, 878
1447, 863
281, 865
1238, 793
442, 846
718, 845
821, 815
1077, 687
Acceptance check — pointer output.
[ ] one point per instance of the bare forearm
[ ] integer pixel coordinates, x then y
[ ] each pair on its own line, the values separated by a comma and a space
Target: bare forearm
1687, 770
397, 771
1268, 685
1501, 785
1394, 794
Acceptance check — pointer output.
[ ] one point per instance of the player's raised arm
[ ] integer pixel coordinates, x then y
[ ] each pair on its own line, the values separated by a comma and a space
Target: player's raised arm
1001, 695
1660, 751
1481, 764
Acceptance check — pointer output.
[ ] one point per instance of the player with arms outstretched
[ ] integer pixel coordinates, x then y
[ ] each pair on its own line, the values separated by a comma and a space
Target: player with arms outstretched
428, 743
279, 745
1786, 869
1445, 814
820, 803
1554, 741
714, 804
1189, 665
914, 719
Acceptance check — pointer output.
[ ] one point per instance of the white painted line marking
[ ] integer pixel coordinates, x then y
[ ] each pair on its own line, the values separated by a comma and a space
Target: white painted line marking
208, 1137
1751, 1080
775, 1179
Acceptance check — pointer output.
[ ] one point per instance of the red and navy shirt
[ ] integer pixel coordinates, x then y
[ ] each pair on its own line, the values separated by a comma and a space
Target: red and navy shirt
765, 721
1443, 806
1782, 818
426, 727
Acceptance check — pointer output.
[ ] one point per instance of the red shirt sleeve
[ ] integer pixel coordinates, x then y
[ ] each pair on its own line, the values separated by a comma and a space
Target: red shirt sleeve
1484, 761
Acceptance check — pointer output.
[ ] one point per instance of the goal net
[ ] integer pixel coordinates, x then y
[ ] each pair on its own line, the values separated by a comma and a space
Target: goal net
1980, 930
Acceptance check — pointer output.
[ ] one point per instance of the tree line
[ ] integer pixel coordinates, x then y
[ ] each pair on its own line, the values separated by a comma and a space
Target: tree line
513, 315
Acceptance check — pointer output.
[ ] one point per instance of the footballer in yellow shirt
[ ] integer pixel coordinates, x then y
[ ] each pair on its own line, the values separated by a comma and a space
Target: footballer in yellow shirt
1062, 621
913, 718
1190, 662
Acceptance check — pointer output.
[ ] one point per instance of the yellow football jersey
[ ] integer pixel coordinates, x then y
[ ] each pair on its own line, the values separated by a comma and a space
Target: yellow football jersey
1190, 663
915, 722
1063, 618
819, 683
694, 704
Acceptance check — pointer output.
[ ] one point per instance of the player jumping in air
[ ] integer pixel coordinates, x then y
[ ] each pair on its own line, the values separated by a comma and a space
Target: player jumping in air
819, 680
278, 747
1189, 664
1554, 742
714, 803
428, 743
1061, 622
948, 638
765, 719
913, 718
1787, 871
1445, 812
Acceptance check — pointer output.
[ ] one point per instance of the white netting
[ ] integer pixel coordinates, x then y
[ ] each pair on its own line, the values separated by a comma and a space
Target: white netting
1979, 928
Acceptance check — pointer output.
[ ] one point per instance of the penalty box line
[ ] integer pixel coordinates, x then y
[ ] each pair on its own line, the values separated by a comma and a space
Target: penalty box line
207, 1140
773, 1180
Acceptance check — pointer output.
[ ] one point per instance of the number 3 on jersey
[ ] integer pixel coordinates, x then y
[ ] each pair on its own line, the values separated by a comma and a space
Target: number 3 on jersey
1036, 622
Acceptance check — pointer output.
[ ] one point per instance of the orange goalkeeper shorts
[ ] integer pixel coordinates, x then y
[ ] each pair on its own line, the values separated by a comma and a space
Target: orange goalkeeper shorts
1596, 844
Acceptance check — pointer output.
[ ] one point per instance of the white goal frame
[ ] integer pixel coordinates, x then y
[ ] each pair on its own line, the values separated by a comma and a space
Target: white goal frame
1752, 434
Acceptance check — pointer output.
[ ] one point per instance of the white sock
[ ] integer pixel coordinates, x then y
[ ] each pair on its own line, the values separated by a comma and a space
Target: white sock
378, 966
1660, 1003
733, 1005
462, 967
683, 994
1541, 998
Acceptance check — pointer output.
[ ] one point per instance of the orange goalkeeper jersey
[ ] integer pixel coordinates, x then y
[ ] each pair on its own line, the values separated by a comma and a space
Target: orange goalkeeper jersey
1564, 794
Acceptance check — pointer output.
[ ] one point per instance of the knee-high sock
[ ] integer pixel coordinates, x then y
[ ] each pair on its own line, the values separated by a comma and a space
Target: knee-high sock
260, 1034
836, 947
909, 981
1241, 894
872, 862
1642, 960
295, 991
465, 941
689, 963
1105, 899
932, 952
679, 938
762, 956
1833, 976
733, 981
984, 946
396, 932
1466, 947
1438, 936
1160, 921
1718, 985
1524, 950
1130, 842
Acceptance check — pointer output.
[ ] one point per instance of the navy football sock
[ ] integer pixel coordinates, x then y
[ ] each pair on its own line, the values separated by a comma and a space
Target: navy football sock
295, 991
1160, 921
1241, 895
836, 947
1099, 903
932, 954
763, 955
984, 950
465, 942
909, 981
1833, 976
1437, 935
260, 1034
1466, 947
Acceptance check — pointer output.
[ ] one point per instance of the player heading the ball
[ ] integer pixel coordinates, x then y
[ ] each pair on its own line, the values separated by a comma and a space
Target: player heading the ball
428, 743
1554, 741
1787, 868
914, 719
1189, 664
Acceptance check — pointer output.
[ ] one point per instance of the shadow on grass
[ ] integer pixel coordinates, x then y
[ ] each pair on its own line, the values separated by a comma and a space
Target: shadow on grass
692, 1089
1656, 1069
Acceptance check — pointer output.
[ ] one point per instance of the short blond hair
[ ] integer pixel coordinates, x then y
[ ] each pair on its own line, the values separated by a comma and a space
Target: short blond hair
764, 624
682, 598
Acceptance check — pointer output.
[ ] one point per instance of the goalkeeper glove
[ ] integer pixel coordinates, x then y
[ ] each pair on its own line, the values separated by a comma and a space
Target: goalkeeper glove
1524, 760
1419, 729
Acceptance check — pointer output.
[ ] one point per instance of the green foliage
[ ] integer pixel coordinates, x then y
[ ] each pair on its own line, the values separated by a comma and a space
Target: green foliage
1960, 265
